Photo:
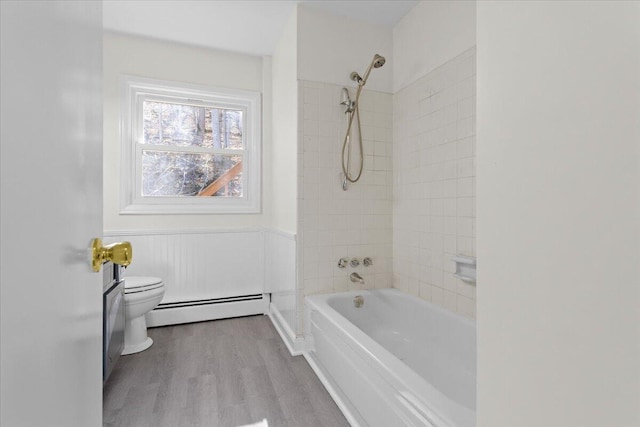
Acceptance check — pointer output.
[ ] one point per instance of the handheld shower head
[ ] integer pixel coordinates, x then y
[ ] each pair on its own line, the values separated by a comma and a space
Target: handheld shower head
377, 62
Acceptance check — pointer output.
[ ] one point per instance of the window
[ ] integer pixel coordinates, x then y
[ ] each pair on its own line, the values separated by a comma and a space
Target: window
189, 149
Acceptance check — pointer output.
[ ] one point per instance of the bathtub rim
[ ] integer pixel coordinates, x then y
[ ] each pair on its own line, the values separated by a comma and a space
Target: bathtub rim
395, 371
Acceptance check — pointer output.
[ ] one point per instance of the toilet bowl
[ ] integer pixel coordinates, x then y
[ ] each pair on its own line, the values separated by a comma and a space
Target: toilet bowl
141, 295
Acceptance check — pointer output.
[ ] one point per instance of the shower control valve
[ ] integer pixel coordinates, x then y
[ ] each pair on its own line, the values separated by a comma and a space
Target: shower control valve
367, 262
355, 262
342, 263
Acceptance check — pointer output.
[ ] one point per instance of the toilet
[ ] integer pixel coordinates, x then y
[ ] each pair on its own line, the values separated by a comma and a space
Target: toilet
141, 295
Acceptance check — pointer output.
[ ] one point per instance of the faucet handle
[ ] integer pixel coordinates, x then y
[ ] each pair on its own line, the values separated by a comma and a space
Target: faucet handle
342, 263
355, 262
367, 262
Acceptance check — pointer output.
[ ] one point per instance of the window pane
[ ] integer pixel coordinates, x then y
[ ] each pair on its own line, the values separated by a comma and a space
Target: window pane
187, 174
226, 126
187, 125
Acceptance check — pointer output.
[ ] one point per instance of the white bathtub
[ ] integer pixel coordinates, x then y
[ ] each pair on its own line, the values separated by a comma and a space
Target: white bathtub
395, 361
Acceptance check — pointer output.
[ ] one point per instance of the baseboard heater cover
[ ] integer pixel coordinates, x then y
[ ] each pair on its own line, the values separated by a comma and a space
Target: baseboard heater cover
164, 306
173, 313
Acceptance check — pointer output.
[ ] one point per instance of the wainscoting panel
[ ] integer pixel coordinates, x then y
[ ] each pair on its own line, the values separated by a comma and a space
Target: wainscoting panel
280, 261
198, 265
280, 281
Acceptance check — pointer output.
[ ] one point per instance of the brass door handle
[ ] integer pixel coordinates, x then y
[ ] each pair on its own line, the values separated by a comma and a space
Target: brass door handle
119, 253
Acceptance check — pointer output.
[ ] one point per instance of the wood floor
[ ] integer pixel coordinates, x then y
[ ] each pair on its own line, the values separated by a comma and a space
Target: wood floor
221, 373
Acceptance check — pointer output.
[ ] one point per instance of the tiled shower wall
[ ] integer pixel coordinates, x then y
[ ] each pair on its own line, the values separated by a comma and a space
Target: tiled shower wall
333, 223
434, 183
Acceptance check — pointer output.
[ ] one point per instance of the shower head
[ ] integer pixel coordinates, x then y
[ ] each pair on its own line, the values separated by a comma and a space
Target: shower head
377, 62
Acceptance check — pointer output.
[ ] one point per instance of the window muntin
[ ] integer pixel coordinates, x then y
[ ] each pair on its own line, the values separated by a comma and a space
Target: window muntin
189, 149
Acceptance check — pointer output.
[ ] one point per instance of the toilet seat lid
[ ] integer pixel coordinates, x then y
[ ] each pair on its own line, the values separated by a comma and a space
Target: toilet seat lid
141, 283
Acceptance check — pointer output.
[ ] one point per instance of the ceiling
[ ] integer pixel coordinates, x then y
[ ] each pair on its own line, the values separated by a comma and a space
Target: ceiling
251, 27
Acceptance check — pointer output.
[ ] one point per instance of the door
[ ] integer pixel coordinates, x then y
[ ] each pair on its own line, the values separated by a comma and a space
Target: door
51, 207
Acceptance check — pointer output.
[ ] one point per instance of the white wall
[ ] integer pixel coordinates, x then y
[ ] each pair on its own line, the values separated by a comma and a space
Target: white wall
330, 47
432, 33
558, 214
284, 151
267, 142
280, 247
167, 61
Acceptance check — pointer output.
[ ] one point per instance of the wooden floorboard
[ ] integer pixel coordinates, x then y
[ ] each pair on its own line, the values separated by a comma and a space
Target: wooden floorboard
223, 373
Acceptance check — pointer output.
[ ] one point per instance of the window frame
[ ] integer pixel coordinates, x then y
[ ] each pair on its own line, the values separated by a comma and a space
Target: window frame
136, 90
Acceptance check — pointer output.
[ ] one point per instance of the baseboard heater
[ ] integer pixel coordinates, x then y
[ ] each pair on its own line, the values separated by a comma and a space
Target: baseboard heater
174, 313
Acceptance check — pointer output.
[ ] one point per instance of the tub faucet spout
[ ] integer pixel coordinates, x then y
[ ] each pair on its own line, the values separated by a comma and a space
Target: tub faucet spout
355, 277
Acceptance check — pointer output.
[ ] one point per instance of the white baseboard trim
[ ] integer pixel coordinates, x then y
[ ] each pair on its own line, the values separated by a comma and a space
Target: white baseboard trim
334, 391
295, 345
200, 313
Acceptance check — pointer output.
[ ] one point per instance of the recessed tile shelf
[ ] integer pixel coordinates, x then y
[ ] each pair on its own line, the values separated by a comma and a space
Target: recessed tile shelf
465, 268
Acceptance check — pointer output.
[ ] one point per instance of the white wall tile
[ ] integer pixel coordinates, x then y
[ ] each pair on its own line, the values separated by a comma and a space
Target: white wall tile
465, 147
310, 95
465, 206
465, 167
413, 208
356, 223
465, 187
433, 188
